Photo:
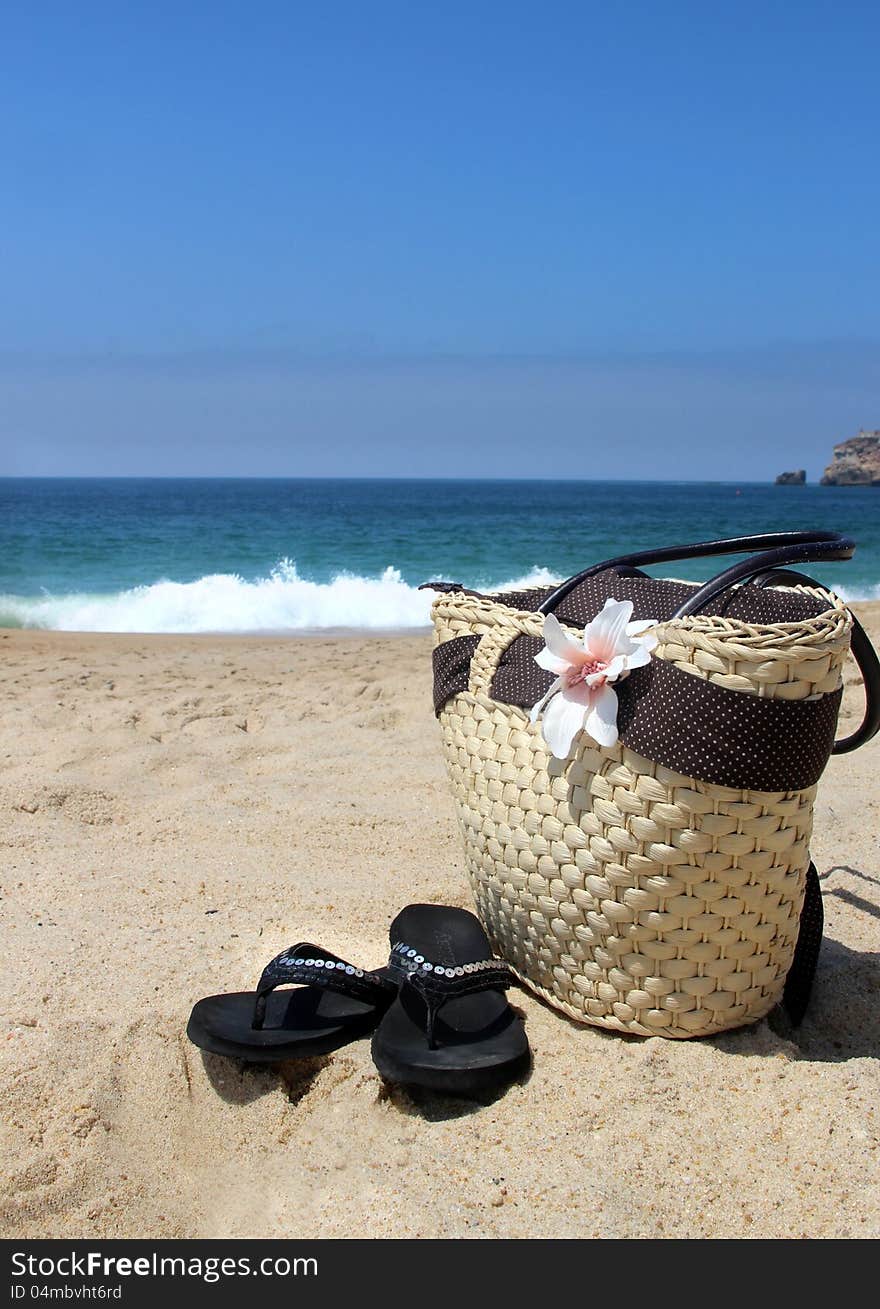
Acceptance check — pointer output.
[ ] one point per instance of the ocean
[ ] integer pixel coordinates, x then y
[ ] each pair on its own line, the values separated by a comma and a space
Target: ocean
241, 555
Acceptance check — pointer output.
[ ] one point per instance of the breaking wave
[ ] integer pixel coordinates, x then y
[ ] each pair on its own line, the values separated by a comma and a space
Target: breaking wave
224, 602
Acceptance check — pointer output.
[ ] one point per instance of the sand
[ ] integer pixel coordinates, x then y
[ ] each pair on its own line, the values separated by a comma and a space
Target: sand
177, 810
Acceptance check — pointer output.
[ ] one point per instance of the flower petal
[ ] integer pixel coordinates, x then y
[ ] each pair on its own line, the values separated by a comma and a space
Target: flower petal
617, 666
536, 709
602, 636
640, 625
546, 659
640, 656
560, 643
601, 722
564, 718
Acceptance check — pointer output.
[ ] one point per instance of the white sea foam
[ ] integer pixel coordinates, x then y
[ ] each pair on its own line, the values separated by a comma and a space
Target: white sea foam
859, 593
281, 602
537, 577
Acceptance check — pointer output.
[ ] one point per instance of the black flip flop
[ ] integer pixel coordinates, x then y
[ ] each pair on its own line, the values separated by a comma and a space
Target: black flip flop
450, 1028
337, 1003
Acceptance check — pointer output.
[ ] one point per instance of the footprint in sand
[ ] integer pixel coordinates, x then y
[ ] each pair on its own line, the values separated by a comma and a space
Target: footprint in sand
94, 808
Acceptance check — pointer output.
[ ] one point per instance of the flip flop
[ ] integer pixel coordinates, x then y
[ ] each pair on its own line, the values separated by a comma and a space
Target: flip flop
450, 1028
337, 1003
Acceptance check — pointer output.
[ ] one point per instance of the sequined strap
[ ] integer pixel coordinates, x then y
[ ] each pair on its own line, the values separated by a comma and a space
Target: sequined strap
311, 965
405, 963
438, 983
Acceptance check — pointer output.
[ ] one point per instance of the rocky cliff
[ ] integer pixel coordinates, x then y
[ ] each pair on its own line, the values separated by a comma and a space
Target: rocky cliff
856, 462
797, 478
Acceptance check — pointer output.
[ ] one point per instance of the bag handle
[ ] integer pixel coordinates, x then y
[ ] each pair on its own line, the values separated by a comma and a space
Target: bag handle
776, 549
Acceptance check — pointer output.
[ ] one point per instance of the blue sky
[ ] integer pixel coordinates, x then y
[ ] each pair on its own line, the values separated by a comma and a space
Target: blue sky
302, 239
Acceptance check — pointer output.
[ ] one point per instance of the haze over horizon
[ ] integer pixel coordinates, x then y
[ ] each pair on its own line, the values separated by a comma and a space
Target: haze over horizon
476, 242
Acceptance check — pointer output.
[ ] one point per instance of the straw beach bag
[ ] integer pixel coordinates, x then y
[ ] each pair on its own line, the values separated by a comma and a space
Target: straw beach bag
662, 885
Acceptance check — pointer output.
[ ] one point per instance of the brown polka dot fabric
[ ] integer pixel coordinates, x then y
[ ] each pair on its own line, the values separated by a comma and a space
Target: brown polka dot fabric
706, 731
518, 679
697, 727
661, 599
452, 668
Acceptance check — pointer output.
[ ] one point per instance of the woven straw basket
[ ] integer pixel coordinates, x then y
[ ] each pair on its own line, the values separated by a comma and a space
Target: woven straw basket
624, 892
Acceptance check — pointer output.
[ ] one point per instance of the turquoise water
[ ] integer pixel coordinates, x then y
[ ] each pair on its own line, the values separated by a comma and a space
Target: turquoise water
291, 555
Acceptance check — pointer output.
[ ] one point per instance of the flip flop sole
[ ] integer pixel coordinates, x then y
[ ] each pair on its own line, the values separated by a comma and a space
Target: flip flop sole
451, 1081
298, 1024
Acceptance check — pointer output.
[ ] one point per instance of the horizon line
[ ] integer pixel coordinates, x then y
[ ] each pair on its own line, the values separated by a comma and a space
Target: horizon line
330, 477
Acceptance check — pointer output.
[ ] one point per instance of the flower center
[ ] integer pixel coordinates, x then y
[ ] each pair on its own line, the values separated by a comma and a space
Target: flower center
583, 671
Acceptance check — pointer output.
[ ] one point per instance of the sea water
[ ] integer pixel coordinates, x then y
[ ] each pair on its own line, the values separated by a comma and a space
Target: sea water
241, 555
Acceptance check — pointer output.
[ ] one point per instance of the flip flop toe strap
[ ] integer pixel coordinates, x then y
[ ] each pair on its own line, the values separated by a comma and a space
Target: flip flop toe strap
439, 983
305, 964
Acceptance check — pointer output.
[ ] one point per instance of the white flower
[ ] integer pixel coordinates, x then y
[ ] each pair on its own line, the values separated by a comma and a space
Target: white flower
581, 697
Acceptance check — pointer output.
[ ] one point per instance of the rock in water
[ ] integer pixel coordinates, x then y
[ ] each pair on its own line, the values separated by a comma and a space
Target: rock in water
797, 478
856, 462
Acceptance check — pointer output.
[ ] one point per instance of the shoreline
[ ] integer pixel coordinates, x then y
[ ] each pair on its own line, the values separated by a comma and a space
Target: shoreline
259, 634
866, 610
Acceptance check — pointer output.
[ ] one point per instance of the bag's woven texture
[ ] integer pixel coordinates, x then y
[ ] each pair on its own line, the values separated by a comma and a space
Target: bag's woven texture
624, 893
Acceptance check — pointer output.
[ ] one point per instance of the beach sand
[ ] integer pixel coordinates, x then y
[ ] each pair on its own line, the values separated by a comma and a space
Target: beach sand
176, 810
